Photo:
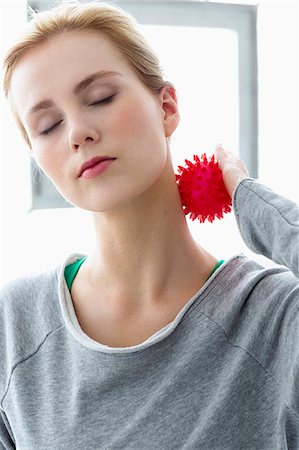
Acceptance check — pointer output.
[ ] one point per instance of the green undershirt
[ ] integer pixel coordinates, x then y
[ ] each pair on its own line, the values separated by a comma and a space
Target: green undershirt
71, 271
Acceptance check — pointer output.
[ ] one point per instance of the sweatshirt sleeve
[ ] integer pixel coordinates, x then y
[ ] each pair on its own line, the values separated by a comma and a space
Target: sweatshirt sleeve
268, 223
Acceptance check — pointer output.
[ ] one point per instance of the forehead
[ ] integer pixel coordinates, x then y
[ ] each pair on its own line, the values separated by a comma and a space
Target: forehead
54, 67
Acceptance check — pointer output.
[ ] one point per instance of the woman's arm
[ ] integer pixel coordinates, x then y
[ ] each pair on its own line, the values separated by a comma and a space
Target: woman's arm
268, 222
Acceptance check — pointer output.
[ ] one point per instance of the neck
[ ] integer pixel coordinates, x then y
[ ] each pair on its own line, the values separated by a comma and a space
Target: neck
144, 250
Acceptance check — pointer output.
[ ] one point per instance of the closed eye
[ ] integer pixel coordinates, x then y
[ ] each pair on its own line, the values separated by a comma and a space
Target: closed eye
105, 100
50, 129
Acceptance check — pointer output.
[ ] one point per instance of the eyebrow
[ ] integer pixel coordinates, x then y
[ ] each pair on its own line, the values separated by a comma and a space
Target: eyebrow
48, 103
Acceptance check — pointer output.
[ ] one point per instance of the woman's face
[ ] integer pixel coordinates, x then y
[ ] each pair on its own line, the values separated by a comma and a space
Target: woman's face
115, 115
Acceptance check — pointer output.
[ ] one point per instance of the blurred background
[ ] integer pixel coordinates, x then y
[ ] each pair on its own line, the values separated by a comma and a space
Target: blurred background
235, 67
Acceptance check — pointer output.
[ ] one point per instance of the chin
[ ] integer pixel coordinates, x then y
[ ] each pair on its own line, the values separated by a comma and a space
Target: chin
111, 197
102, 204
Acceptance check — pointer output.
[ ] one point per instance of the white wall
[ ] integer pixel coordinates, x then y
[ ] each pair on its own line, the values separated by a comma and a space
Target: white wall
278, 91
34, 241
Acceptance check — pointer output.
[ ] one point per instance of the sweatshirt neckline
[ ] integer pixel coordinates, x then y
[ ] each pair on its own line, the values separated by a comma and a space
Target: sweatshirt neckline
73, 327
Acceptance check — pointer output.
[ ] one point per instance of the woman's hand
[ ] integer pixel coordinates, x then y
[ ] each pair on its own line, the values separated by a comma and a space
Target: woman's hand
233, 169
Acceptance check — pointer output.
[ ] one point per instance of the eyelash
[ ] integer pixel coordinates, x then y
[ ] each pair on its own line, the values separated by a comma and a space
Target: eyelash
104, 101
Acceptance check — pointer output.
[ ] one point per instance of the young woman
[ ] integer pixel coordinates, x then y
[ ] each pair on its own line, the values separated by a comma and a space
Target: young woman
149, 342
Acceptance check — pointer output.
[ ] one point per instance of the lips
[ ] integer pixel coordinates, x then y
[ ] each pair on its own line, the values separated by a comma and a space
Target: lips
93, 162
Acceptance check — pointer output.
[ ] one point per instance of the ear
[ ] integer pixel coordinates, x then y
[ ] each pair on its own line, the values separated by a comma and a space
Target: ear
170, 112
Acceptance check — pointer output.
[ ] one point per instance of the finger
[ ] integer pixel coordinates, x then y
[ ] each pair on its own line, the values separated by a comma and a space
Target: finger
220, 150
221, 155
224, 155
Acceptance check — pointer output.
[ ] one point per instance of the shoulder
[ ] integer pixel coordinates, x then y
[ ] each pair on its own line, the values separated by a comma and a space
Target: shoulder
30, 306
29, 312
244, 290
23, 292
28, 282
249, 299
242, 271
268, 281
33, 288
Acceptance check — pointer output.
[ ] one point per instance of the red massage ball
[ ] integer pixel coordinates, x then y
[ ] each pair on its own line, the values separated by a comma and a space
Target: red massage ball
202, 190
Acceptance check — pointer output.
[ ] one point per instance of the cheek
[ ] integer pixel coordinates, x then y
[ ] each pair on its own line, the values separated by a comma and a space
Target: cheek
48, 160
127, 120
43, 160
144, 155
141, 125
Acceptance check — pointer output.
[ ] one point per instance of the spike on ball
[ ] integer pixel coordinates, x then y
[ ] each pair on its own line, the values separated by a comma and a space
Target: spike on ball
202, 189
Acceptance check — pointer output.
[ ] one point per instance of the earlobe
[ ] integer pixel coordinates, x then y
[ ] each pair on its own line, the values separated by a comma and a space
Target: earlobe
171, 115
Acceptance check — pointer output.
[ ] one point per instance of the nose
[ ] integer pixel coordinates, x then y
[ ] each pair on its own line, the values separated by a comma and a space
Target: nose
82, 136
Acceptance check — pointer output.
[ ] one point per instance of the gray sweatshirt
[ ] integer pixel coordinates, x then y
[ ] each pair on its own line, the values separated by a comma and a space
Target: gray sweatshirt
223, 375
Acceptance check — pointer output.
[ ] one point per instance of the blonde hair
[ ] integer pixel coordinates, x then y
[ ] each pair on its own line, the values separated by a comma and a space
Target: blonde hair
71, 15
